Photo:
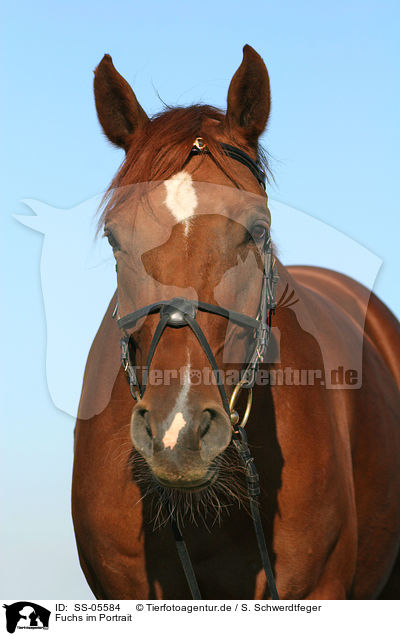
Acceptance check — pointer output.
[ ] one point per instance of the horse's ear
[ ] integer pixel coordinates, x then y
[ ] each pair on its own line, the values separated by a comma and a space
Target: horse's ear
249, 98
118, 110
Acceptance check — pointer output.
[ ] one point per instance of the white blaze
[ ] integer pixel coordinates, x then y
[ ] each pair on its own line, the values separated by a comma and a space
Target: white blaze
170, 437
181, 197
171, 434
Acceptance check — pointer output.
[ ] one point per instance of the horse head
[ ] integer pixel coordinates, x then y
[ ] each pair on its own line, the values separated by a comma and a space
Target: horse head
188, 222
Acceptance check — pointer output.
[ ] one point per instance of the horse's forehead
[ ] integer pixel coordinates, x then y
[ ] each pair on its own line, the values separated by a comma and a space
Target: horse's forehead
156, 208
186, 196
181, 196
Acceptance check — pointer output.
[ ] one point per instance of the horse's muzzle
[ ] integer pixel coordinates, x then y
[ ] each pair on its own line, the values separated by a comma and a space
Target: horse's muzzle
181, 448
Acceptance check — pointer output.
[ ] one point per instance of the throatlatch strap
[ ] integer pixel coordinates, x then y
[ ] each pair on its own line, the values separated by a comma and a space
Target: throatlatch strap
253, 489
262, 547
185, 561
182, 551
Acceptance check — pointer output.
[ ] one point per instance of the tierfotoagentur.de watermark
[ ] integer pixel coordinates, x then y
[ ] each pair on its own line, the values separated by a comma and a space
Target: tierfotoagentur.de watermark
287, 376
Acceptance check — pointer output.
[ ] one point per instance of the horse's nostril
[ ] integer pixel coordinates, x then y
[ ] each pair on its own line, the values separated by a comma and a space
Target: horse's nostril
145, 415
205, 423
204, 428
213, 433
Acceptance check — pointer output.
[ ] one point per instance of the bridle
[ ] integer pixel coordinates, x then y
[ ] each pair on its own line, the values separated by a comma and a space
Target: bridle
181, 312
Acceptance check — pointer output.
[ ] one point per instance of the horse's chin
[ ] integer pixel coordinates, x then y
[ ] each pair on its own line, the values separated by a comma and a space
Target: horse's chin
185, 485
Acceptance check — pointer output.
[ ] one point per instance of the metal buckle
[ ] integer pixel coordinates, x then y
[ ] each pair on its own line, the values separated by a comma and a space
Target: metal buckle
234, 415
199, 144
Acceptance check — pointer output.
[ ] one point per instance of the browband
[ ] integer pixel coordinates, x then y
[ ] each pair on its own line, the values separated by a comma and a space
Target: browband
199, 147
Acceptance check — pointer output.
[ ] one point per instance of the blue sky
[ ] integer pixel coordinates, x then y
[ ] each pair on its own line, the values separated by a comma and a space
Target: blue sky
334, 141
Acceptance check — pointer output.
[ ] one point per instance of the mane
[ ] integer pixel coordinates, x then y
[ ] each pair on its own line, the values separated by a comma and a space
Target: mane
162, 148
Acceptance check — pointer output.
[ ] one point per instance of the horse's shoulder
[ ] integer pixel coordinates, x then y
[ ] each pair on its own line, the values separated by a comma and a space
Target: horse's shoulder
380, 326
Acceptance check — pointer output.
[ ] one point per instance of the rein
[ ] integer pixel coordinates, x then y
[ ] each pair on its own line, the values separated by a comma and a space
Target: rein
181, 312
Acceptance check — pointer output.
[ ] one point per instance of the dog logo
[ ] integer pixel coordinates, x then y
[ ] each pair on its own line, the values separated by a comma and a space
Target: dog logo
26, 615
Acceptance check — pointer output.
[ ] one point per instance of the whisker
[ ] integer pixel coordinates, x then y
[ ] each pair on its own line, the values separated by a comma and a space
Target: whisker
206, 507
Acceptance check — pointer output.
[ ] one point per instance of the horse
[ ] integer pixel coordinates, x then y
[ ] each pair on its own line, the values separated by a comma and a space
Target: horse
187, 218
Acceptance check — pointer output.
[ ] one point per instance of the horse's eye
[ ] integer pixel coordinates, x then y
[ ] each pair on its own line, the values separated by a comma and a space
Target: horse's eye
111, 239
258, 232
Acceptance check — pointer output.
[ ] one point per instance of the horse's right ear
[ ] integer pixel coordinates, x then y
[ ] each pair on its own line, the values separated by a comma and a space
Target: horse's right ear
118, 110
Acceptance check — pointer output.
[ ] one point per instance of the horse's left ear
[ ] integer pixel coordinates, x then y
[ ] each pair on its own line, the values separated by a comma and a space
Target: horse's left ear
249, 98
